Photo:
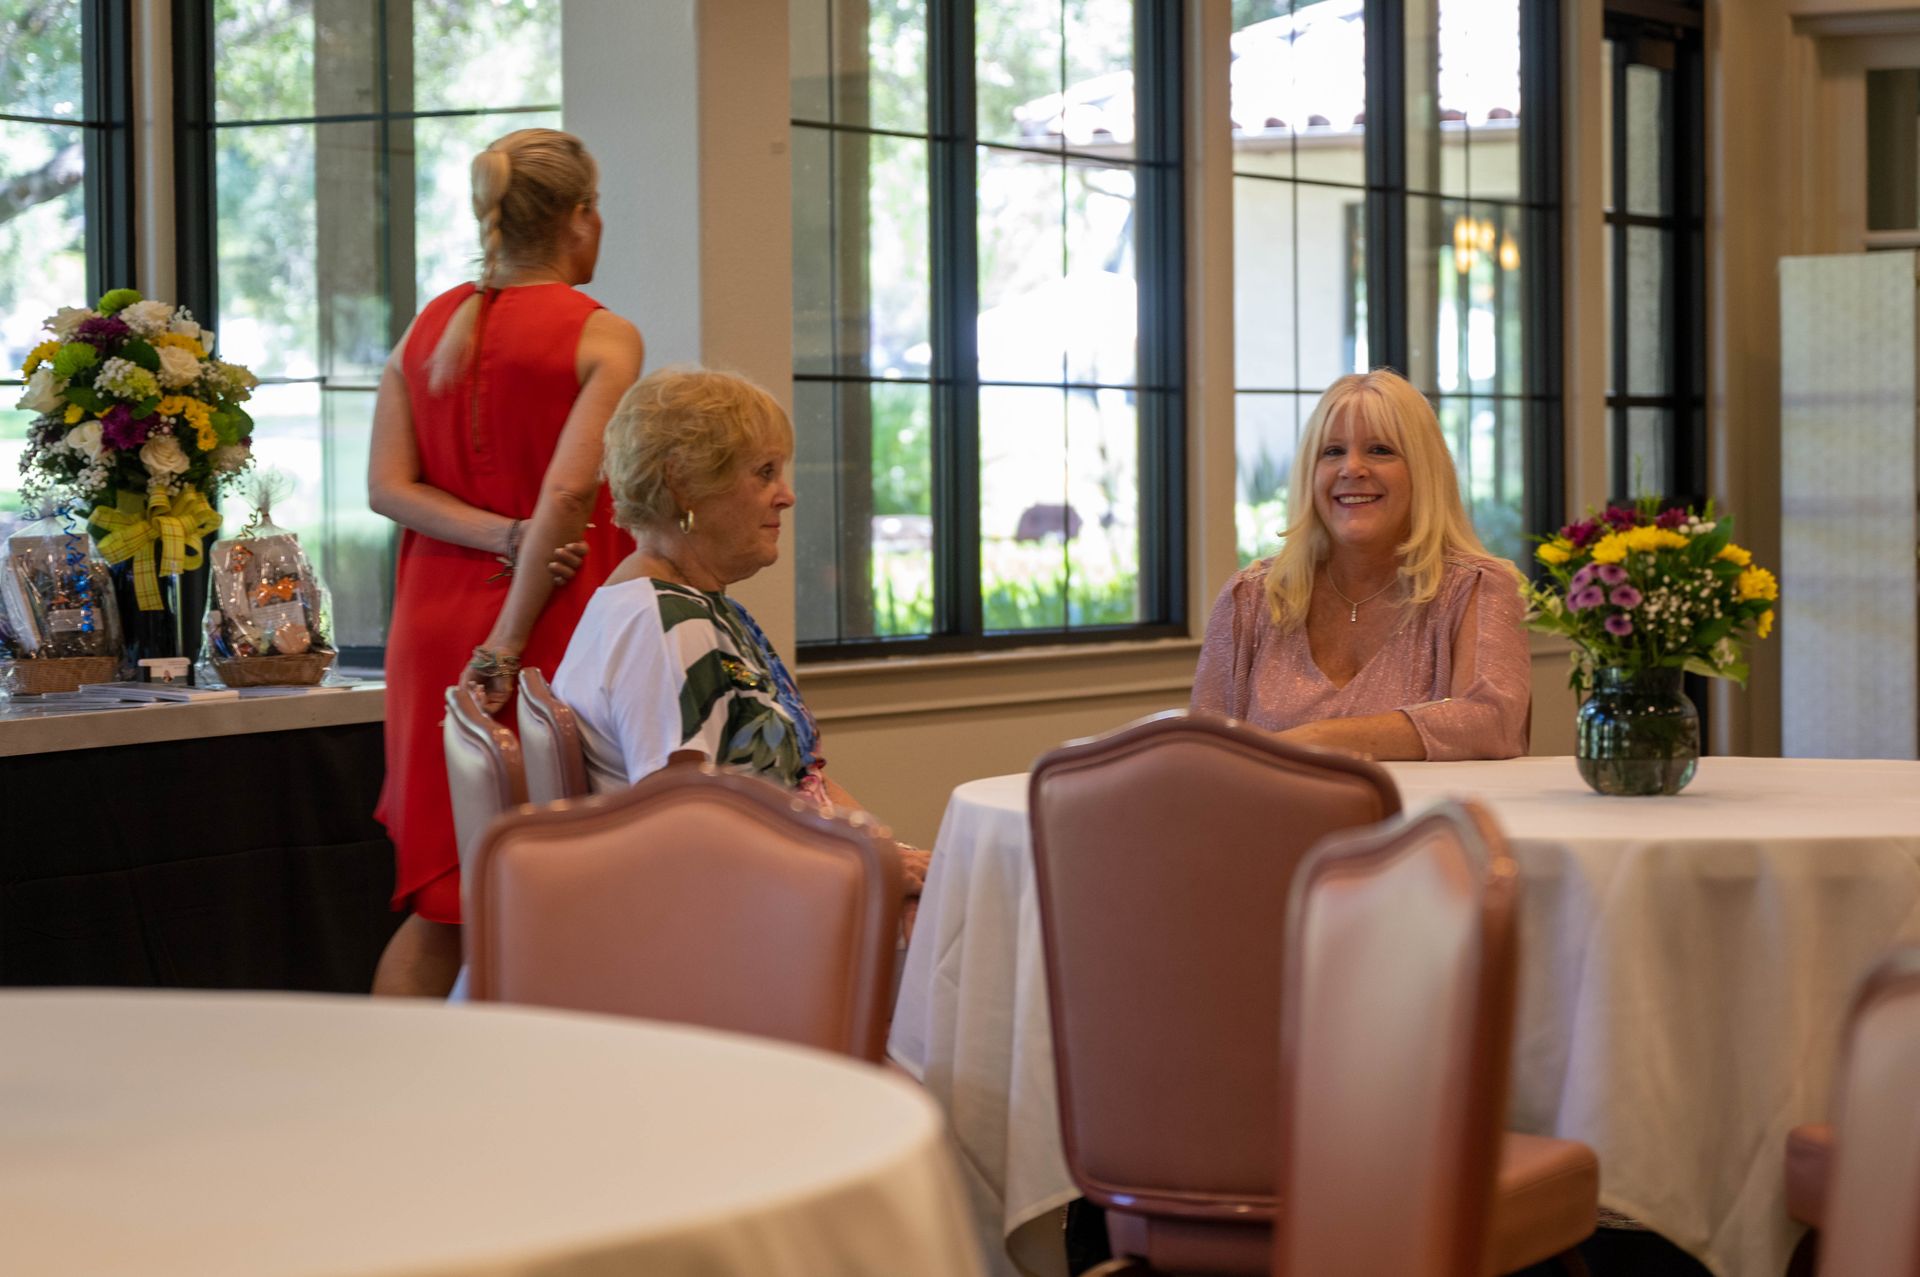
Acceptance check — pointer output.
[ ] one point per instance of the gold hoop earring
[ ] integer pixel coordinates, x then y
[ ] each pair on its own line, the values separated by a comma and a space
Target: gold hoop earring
686, 522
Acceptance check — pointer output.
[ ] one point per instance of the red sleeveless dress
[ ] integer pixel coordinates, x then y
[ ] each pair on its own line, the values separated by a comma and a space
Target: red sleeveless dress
444, 602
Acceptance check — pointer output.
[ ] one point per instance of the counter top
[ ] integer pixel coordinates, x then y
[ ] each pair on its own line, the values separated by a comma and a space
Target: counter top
25, 731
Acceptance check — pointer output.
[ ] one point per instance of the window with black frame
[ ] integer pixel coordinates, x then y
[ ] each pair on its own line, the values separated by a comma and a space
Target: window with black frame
66, 185
323, 152
1397, 202
987, 322
1656, 271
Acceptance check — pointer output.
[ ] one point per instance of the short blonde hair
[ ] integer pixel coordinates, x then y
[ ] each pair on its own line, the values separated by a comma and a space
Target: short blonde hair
1438, 527
685, 428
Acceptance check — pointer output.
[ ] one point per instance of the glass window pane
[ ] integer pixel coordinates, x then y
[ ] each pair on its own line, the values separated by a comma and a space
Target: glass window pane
859, 63
863, 519
1440, 234
1099, 298
1893, 150
1648, 432
1436, 154
288, 440
446, 239
1479, 93
1027, 516
1102, 508
269, 302
1492, 474
1097, 112
1265, 292
862, 290
43, 241
1266, 433
40, 69
1263, 88
354, 546
350, 261
1648, 127
1647, 313
1613, 55
479, 53
1018, 98
267, 52
1331, 225
1022, 254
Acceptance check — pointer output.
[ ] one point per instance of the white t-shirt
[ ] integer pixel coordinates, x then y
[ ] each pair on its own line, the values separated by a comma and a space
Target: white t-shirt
655, 667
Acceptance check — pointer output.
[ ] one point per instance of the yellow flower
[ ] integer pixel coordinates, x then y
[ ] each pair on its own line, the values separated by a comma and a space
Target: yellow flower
185, 407
1735, 555
1766, 624
37, 356
1757, 583
205, 437
1610, 548
1554, 552
1649, 539
74, 413
185, 343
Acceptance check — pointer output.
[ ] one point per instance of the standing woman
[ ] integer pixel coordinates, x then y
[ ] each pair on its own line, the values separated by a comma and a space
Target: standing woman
486, 450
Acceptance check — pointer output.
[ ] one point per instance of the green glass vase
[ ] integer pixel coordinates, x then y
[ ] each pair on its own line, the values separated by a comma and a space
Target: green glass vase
1637, 733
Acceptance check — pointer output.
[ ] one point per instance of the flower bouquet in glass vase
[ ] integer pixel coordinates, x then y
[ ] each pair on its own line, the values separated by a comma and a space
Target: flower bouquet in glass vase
1647, 595
138, 424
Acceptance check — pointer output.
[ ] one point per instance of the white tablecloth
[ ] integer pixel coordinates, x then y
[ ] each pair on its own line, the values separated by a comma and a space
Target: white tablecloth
210, 1134
1687, 965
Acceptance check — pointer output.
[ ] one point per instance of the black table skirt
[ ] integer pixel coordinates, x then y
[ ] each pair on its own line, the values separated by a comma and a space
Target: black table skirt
233, 862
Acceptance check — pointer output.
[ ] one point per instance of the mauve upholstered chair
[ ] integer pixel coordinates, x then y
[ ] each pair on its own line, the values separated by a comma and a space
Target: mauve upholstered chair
550, 741
1396, 1032
695, 896
485, 773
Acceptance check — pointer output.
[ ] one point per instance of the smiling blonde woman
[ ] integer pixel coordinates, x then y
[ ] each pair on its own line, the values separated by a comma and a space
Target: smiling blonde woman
1382, 626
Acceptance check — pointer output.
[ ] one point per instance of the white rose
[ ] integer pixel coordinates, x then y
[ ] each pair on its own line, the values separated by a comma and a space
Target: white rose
43, 393
178, 367
85, 439
148, 319
185, 326
229, 457
68, 321
205, 339
162, 455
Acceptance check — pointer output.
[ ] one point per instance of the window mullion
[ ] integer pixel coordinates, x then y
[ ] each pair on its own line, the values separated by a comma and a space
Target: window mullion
1160, 264
195, 207
953, 231
1386, 160
106, 39
1541, 184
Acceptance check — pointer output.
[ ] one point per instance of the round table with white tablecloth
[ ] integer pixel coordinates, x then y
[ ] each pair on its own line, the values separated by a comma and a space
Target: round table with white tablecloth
1687, 965
208, 1134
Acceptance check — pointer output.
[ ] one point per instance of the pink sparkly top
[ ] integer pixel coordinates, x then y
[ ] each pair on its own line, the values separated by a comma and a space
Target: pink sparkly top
1251, 671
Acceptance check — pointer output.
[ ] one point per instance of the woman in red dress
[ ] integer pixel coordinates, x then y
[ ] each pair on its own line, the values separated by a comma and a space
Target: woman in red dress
486, 450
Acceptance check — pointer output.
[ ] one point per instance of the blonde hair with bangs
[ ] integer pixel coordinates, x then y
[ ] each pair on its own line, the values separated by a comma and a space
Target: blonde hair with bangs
1438, 527
689, 429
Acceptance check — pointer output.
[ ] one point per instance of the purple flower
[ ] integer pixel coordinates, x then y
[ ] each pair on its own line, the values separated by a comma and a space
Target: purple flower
105, 333
1584, 576
1620, 520
1581, 600
119, 430
1619, 626
1672, 517
1612, 574
1624, 596
1581, 533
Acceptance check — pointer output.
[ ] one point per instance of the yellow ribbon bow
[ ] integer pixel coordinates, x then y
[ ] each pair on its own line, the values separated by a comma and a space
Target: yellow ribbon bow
132, 524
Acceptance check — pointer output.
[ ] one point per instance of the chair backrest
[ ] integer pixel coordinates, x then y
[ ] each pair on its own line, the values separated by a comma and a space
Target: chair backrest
485, 775
1396, 1021
550, 740
1873, 1198
701, 897
1162, 857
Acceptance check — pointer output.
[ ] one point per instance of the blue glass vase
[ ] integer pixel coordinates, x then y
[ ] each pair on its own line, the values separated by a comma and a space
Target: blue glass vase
1637, 733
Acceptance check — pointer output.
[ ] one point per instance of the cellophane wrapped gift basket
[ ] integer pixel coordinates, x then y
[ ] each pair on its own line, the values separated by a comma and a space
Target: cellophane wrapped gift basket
59, 627
269, 616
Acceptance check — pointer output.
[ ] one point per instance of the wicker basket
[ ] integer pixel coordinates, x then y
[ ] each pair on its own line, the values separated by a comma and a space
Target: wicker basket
57, 673
304, 670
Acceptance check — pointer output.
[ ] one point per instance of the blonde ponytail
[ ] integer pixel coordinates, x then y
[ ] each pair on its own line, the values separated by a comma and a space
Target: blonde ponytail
524, 186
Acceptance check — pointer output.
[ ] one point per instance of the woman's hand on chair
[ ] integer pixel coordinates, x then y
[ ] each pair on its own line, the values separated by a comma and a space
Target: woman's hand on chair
490, 674
567, 561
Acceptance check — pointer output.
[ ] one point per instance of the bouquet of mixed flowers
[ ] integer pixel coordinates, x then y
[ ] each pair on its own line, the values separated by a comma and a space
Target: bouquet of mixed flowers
1646, 589
138, 424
